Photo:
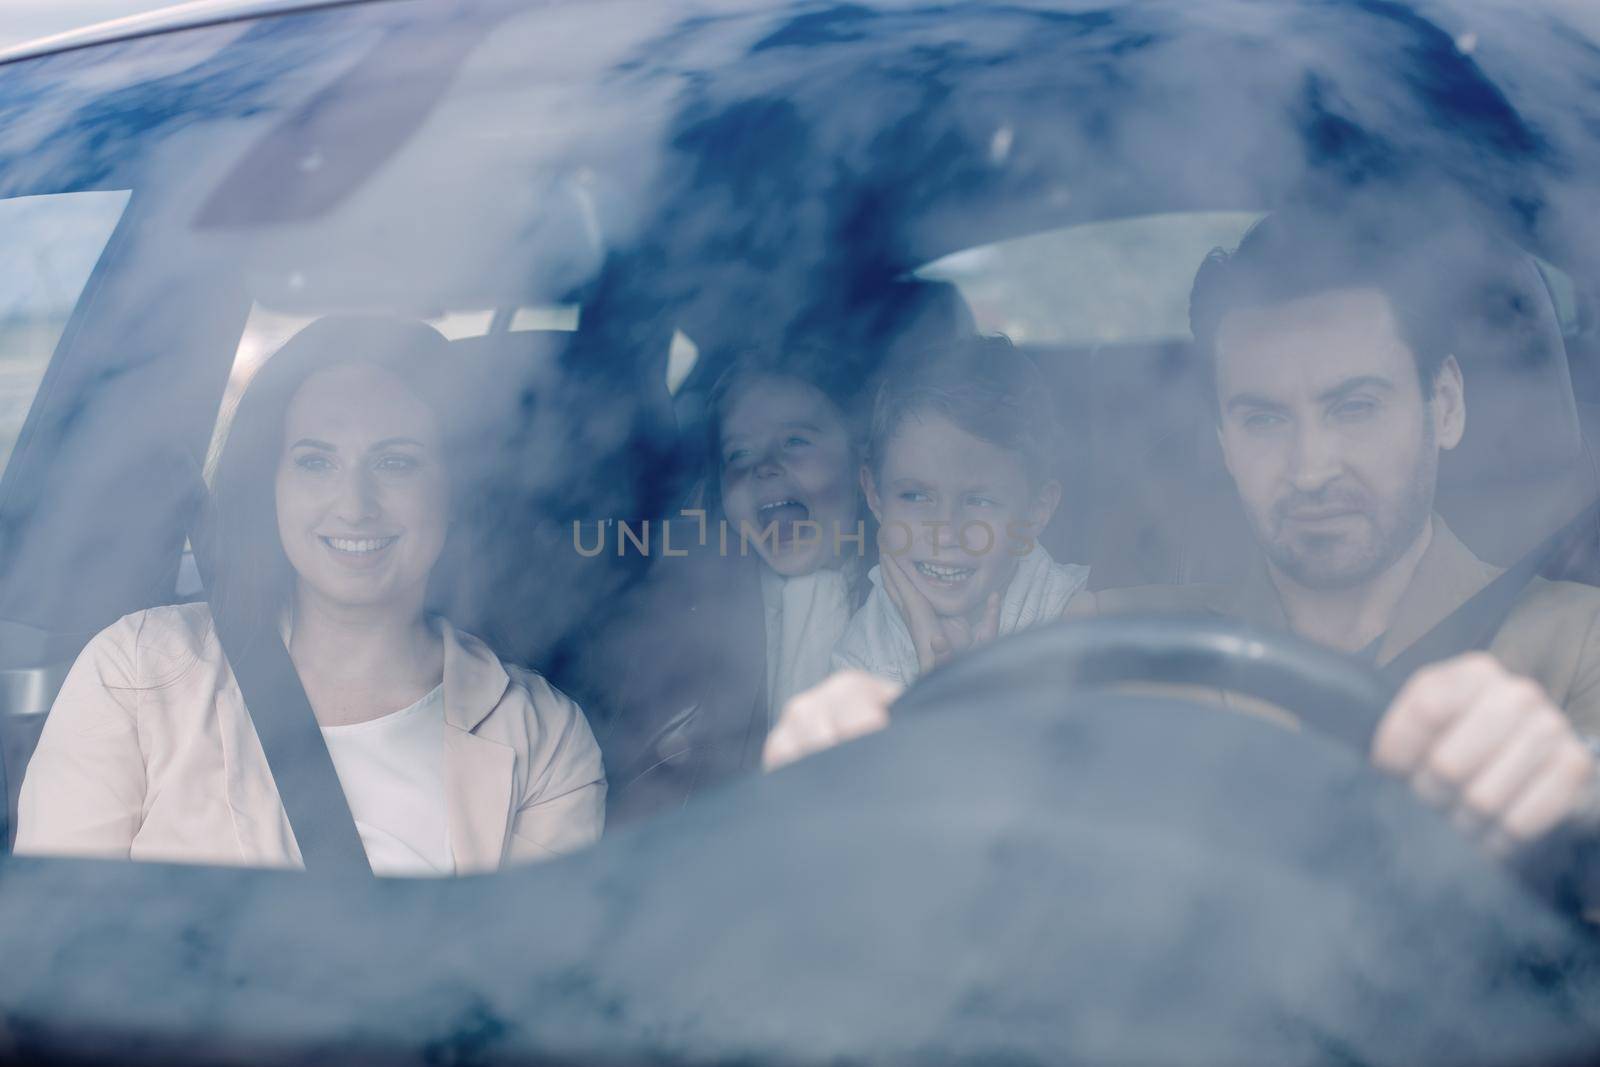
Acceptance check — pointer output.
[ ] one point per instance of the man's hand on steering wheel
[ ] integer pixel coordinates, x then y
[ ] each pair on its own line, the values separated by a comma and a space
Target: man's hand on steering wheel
842, 707
1489, 748
1484, 745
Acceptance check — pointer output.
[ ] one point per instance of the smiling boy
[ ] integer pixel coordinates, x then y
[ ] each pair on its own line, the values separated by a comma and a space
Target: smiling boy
958, 474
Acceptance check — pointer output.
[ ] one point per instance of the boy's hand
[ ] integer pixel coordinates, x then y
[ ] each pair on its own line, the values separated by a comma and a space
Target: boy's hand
843, 707
1489, 748
936, 637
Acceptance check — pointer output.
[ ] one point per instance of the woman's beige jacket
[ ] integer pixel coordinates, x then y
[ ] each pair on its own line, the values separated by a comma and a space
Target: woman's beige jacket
149, 754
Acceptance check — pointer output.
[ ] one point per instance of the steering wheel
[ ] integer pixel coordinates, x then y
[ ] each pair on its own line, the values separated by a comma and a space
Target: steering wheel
1330, 693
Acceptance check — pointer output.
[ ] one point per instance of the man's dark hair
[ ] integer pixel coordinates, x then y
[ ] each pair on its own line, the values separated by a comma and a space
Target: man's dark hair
1432, 275
983, 385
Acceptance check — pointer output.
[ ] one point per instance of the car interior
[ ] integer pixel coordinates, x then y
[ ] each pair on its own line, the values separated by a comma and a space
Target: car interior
597, 420
290, 215
598, 231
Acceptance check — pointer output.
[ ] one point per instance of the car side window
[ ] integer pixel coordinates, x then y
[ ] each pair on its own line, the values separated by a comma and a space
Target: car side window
49, 246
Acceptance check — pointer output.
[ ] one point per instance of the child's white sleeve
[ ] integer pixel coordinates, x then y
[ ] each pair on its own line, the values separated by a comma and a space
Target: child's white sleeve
874, 648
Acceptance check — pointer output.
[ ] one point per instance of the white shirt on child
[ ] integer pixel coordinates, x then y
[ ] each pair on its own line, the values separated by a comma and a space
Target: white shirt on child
392, 772
879, 642
805, 616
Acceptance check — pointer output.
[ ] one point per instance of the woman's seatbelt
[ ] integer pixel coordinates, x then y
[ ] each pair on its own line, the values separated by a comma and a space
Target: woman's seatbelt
281, 712
296, 753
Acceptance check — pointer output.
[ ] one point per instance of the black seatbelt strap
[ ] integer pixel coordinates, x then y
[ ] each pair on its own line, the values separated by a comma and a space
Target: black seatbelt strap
279, 709
1473, 625
298, 756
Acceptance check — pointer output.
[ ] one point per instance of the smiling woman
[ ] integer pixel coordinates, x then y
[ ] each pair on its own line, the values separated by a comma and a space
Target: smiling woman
333, 497
332, 489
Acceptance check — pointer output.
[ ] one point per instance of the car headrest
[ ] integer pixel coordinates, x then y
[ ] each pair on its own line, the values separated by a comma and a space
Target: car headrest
858, 330
1522, 420
1521, 469
510, 573
510, 361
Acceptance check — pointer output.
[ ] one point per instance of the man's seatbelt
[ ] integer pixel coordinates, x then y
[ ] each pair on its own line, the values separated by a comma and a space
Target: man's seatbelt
1564, 866
296, 754
1473, 625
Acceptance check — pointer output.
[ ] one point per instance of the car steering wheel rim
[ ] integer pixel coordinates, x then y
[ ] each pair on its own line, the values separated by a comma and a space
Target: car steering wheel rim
1327, 692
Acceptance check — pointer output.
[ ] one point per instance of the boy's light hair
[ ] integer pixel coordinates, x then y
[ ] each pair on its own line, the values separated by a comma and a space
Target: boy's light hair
983, 385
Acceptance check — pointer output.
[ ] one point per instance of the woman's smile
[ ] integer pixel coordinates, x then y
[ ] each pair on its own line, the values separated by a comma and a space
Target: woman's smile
359, 546
360, 482
359, 551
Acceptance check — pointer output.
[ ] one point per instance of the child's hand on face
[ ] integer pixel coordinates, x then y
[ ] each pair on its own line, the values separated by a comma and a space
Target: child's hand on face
937, 637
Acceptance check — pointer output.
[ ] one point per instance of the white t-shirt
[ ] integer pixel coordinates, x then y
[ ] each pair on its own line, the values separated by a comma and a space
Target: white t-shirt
806, 616
392, 771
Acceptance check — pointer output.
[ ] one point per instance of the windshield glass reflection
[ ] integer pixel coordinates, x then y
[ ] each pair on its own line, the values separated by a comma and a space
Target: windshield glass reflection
704, 455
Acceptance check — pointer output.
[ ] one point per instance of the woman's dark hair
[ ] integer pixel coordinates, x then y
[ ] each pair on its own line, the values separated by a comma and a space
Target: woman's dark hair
983, 385
249, 575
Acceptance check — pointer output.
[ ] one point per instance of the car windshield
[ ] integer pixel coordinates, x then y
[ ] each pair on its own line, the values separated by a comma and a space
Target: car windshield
827, 509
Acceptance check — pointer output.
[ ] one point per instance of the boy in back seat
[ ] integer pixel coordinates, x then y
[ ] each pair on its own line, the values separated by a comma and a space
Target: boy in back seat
959, 476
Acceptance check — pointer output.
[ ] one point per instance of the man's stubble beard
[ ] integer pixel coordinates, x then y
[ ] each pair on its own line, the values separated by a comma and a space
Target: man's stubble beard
1392, 533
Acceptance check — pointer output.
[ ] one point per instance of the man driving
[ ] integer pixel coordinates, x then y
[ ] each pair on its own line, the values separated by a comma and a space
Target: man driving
1330, 350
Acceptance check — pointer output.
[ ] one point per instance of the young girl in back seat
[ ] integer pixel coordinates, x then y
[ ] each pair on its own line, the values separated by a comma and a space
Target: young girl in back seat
786, 451
958, 473
715, 642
